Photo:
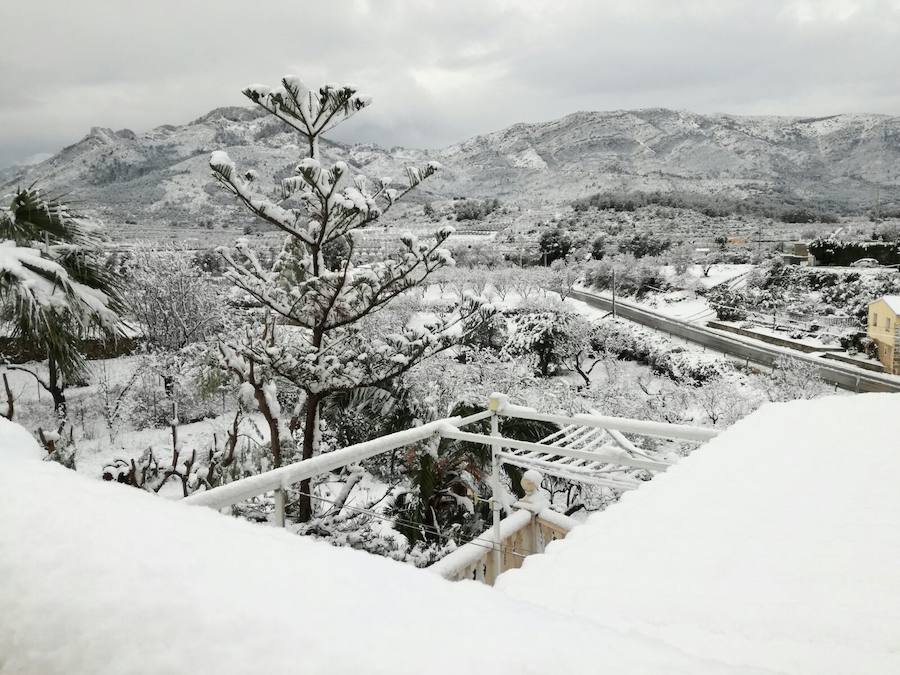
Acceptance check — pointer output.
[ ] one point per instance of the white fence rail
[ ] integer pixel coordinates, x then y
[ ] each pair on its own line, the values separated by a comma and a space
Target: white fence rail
524, 531
285, 476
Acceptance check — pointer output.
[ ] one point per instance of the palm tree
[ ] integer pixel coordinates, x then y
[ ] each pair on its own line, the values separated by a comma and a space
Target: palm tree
55, 286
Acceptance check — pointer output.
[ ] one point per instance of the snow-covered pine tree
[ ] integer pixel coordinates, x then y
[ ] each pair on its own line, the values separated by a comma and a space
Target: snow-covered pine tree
313, 336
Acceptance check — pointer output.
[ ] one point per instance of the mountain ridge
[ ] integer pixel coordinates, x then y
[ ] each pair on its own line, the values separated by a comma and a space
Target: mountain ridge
161, 175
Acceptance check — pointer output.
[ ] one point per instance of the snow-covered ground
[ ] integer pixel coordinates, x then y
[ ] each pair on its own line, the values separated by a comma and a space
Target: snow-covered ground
105, 579
774, 546
717, 274
93, 446
683, 302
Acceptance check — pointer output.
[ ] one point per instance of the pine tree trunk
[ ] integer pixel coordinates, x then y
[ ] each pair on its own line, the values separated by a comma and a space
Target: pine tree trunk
310, 432
275, 436
273, 422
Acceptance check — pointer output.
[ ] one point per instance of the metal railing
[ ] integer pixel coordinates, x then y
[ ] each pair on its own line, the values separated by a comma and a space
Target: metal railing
277, 480
502, 556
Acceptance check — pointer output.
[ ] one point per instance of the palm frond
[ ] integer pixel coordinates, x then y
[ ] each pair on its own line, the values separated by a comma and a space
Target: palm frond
54, 285
32, 217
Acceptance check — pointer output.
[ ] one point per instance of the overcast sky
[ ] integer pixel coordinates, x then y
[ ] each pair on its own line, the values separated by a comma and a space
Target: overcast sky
439, 71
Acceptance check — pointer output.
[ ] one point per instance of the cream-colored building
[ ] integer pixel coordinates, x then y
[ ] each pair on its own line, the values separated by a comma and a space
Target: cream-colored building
885, 331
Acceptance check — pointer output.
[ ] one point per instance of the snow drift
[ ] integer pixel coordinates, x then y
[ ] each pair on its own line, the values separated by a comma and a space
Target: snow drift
776, 545
100, 578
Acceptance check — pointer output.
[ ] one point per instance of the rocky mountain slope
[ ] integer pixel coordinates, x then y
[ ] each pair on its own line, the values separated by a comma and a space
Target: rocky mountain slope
161, 176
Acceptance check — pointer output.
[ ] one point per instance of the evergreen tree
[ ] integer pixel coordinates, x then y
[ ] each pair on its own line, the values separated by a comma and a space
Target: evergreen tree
554, 244
313, 334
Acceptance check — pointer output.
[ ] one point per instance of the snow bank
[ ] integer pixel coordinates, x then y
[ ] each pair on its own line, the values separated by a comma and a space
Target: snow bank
100, 578
16, 444
776, 545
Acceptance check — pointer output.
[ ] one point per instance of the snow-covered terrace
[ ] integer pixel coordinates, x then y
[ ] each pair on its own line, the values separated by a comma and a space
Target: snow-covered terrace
98, 578
591, 449
771, 549
776, 545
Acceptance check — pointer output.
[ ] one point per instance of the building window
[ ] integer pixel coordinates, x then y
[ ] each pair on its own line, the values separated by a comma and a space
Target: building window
887, 323
874, 319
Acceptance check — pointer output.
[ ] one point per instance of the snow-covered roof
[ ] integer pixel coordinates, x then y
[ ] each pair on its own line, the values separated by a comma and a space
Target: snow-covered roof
892, 301
102, 578
776, 545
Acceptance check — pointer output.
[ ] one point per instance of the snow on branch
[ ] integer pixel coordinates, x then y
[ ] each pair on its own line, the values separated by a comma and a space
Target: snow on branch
327, 210
309, 112
351, 359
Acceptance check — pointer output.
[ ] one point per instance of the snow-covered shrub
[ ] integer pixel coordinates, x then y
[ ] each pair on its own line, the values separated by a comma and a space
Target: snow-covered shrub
439, 504
116, 398
563, 277
541, 336
175, 304
491, 335
728, 304
632, 276
645, 244
59, 444
474, 209
554, 244
631, 342
793, 379
151, 397
725, 401
192, 467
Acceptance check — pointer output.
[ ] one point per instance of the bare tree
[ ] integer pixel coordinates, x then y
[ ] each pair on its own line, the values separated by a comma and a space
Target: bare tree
563, 277
174, 304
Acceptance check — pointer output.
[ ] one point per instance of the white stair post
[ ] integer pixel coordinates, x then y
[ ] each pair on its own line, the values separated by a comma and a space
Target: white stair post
495, 404
279, 507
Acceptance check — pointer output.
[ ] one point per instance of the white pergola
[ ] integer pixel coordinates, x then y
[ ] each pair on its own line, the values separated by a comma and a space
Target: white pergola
590, 449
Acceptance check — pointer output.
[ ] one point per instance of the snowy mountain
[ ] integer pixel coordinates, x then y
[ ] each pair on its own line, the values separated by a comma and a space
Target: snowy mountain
161, 176
838, 159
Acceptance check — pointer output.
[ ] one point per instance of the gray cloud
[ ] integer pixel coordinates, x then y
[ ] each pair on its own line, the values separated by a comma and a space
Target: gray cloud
439, 71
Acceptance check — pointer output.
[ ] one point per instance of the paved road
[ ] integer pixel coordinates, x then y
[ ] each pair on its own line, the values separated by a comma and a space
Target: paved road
846, 377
